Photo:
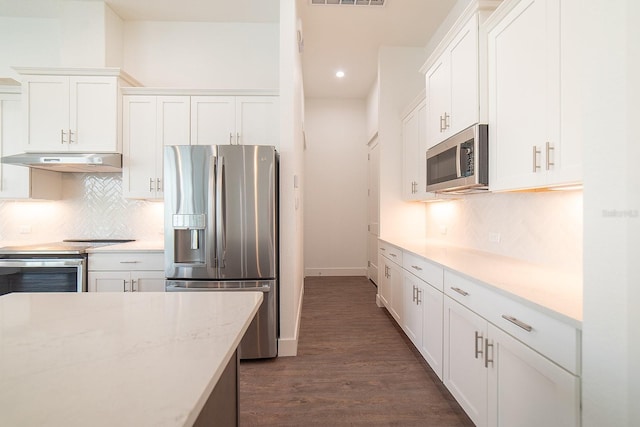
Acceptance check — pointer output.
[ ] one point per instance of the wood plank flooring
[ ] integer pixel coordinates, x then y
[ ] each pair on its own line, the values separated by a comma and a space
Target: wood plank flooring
354, 367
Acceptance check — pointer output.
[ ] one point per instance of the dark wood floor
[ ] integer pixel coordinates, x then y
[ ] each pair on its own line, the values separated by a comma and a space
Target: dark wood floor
354, 367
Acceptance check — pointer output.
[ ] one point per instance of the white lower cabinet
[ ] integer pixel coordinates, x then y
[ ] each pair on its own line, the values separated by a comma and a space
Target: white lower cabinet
464, 373
499, 381
126, 272
390, 279
528, 390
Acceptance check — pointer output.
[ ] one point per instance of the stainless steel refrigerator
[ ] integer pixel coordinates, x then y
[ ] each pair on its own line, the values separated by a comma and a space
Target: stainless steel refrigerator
221, 229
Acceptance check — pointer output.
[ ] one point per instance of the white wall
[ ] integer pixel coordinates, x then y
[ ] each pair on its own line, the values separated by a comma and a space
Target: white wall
28, 42
335, 220
292, 180
611, 107
399, 83
202, 54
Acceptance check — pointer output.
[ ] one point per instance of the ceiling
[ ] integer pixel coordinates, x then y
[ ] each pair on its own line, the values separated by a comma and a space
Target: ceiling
336, 37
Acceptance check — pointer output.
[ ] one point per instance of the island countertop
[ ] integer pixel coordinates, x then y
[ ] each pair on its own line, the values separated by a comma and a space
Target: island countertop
78, 359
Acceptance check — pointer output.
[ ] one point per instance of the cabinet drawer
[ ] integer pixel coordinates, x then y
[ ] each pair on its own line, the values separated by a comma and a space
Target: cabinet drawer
390, 252
550, 337
130, 261
431, 273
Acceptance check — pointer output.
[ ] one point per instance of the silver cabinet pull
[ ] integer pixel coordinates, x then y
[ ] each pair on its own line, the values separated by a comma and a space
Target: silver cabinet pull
158, 186
238, 138
150, 184
460, 291
124, 285
478, 348
61, 136
382, 249
230, 138
486, 353
70, 133
418, 300
416, 267
394, 255
518, 323
549, 149
536, 166
414, 297
129, 262
446, 120
442, 128
133, 285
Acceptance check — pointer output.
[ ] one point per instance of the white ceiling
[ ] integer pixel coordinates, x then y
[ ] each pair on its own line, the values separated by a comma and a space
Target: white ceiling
335, 37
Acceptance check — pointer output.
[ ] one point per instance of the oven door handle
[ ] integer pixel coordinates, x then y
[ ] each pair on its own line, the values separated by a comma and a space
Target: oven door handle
459, 160
41, 262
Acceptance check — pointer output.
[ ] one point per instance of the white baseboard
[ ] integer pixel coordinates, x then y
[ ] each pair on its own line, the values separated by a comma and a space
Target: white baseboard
340, 271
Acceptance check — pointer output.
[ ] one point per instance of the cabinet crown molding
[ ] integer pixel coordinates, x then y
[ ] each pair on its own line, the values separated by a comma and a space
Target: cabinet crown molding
473, 8
105, 72
168, 91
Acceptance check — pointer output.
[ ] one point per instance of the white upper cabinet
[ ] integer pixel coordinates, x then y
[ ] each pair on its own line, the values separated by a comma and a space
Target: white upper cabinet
414, 171
528, 55
454, 77
150, 123
236, 120
19, 182
72, 110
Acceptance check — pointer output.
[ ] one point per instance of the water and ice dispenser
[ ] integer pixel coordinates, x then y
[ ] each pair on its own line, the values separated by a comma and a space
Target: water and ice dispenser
189, 238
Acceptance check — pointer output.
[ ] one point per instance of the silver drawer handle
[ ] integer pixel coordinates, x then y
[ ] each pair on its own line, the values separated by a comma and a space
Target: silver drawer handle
460, 291
129, 262
382, 249
416, 267
394, 255
518, 323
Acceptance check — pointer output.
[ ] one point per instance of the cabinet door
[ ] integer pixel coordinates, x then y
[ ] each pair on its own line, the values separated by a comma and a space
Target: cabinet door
464, 372
438, 100
174, 128
528, 390
412, 308
213, 120
14, 180
519, 97
93, 118
139, 172
147, 281
395, 283
258, 120
432, 313
384, 282
463, 58
45, 102
109, 281
411, 146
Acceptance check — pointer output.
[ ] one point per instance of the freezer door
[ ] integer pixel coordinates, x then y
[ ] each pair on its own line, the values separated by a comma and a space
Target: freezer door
261, 338
246, 219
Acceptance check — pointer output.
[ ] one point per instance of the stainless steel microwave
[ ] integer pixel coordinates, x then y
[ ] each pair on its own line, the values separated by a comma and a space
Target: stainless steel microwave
459, 164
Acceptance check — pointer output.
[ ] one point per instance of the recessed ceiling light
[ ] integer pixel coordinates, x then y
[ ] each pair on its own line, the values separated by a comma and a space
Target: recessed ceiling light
340, 74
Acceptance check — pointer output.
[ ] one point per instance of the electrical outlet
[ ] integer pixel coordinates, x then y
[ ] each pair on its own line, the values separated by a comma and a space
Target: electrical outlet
494, 237
24, 229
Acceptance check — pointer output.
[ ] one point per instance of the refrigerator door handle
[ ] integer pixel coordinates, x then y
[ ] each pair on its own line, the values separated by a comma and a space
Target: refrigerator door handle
211, 220
220, 197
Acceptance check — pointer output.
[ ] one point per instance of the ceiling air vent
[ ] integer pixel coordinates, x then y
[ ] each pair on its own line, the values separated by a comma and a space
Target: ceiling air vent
350, 2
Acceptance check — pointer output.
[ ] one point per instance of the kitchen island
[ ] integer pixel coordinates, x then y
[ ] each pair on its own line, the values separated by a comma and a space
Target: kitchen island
156, 359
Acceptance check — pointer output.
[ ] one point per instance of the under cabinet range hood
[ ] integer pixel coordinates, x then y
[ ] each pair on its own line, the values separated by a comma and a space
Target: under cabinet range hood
68, 162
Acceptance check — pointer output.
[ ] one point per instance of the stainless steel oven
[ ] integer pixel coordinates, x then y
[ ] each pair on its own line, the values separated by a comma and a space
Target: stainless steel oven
49, 267
62, 273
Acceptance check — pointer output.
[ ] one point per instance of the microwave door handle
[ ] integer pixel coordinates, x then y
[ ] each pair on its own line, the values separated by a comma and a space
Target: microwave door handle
458, 160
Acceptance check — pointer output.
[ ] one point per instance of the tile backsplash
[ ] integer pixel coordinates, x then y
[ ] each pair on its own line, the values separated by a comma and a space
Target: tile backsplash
92, 207
540, 227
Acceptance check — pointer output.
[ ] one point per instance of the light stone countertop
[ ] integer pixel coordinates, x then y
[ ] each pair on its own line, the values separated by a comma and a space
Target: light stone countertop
116, 359
556, 293
136, 246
